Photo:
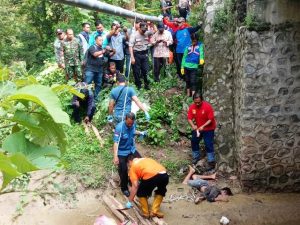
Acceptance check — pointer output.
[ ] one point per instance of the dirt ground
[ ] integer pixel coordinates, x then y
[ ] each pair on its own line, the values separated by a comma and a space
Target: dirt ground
83, 209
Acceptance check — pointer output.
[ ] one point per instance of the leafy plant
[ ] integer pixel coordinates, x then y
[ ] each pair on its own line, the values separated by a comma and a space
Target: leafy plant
224, 17
34, 114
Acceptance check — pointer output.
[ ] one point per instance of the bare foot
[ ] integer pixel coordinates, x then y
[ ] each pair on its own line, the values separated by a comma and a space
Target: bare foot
191, 169
214, 176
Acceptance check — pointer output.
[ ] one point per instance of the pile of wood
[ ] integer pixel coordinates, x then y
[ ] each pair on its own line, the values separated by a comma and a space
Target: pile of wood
124, 215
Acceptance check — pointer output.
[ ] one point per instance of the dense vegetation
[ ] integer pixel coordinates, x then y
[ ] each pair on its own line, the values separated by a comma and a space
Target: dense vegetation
35, 126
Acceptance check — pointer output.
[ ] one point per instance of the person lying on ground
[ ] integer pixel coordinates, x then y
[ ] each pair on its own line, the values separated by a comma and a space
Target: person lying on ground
209, 192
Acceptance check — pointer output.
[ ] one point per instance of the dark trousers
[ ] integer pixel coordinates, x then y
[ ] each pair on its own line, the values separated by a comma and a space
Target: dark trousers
77, 110
158, 64
183, 12
119, 64
147, 186
179, 57
191, 79
208, 137
123, 170
140, 69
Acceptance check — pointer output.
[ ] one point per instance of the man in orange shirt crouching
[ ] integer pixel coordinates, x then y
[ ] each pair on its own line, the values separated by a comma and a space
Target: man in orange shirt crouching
145, 175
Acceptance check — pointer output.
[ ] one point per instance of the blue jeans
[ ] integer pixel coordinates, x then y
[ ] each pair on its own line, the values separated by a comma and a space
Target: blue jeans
91, 76
198, 183
208, 137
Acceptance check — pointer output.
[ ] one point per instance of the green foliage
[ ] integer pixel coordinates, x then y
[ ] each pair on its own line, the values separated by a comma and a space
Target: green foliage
164, 111
86, 159
35, 118
252, 23
224, 17
197, 15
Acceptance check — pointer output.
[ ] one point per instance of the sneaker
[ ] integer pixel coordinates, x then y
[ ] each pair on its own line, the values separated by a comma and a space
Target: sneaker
126, 193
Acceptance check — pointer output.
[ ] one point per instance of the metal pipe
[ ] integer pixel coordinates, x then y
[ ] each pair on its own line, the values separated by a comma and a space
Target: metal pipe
107, 8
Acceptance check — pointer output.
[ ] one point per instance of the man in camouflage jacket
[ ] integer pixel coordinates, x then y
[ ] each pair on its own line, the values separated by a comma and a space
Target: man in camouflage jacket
71, 56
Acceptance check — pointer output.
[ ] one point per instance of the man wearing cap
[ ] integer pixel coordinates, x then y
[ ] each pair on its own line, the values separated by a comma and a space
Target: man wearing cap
161, 41
124, 145
84, 36
57, 45
116, 41
121, 96
138, 48
71, 56
99, 32
183, 37
86, 103
174, 26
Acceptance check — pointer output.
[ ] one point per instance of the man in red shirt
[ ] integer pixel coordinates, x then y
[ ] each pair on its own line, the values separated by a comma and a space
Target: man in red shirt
201, 113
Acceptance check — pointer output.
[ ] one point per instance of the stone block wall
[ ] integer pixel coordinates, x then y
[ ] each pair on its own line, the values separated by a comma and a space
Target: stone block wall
267, 108
217, 84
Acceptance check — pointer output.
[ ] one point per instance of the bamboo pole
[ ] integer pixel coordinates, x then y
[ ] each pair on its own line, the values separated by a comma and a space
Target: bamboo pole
107, 8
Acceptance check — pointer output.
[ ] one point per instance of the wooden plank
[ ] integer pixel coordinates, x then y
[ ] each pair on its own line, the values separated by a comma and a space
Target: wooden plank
97, 135
120, 206
113, 208
86, 128
140, 218
156, 220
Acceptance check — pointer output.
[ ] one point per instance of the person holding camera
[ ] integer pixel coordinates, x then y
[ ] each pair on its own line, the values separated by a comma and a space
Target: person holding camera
94, 64
161, 41
138, 48
116, 41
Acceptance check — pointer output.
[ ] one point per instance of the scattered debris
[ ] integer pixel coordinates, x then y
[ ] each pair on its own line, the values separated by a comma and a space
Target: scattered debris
224, 220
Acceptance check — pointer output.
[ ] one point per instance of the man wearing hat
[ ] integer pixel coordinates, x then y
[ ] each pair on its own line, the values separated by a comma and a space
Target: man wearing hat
138, 48
86, 103
60, 35
161, 41
183, 37
71, 56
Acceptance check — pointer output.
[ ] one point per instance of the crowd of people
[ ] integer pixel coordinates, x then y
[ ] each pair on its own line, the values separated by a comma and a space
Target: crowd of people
101, 58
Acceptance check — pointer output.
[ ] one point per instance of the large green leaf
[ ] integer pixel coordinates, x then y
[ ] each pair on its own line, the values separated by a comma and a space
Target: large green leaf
44, 97
64, 87
28, 120
22, 163
26, 81
8, 169
53, 132
42, 157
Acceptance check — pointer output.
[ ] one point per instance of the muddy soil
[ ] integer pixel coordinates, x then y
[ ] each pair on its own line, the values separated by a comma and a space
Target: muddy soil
84, 207
60, 200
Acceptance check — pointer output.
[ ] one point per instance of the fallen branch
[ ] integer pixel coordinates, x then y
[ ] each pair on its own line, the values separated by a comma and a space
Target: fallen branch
156, 220
97, 135
113, 208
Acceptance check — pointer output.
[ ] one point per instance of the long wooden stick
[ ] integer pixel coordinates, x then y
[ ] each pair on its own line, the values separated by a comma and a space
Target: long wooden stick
113, 208
120, 206
156, 220
97, 135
